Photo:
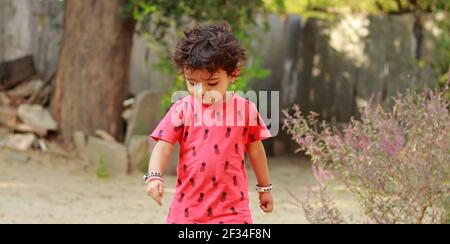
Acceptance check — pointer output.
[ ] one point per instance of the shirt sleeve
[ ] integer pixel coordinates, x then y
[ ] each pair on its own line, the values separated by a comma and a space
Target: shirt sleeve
171, 127
257, 129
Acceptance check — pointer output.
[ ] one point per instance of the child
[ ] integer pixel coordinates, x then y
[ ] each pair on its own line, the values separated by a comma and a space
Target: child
215, 128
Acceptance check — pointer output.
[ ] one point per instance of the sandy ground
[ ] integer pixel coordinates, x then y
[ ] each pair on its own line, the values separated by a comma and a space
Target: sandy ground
53, 189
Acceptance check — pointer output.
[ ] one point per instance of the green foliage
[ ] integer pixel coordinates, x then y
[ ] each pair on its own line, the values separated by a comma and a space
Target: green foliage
323, 8
158, 17
102, 168
442, 50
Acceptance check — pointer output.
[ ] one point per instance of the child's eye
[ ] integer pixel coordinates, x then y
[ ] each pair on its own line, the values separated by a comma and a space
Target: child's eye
214, 84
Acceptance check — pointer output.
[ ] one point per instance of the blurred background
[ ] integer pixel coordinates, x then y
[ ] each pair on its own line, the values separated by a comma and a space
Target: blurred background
83, 83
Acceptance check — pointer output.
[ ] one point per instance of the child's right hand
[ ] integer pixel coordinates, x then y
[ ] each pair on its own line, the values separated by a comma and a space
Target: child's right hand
155, 189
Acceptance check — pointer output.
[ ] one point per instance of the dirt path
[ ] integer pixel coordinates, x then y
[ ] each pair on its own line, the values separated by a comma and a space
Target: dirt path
52, 189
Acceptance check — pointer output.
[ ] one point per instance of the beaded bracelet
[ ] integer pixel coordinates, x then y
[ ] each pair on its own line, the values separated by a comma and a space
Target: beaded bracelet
153, 179
264, 188
152, 175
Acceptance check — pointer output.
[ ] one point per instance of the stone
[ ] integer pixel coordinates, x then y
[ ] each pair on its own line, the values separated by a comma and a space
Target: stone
8, 116
38, 116
145, 114
139, 151
4, 99
114, 154
3, 132
25, 128
3, 136
27, 89
105, 135
21, 142
126, 115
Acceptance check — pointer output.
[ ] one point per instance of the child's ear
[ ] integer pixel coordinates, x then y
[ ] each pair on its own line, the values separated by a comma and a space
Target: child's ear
236, 72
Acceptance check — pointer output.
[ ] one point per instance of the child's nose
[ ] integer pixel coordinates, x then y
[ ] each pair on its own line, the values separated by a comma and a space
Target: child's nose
198, 88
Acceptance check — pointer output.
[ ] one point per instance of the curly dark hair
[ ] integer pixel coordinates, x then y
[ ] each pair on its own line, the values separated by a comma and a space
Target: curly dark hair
211, 47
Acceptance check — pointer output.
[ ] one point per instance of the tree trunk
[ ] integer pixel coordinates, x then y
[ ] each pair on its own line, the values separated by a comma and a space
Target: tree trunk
92, 78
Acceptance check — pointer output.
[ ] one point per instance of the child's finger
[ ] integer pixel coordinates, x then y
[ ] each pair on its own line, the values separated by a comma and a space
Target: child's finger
155, 193
269, 207
158, 200
263, 207
262, 204
160, 193
266, 207
161, 189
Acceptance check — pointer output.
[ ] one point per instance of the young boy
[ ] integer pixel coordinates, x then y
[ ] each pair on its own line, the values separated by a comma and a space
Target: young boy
215, 129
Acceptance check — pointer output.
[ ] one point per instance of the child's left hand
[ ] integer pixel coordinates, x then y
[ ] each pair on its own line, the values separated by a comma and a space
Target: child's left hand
266, 202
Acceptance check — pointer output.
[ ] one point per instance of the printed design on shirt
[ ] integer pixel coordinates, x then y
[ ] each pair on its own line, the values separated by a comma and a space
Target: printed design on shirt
186, 212
203, 167
235, 180
194, 152
201, 197
226, 166
179, 182
236, 148
205, 134
181, 197
243, 164
160, 133
216, 149
242, 196
210, 212
245, 131
214, 181
192, 181
252, 137
186, 134
228, 134
233, 210
224, 197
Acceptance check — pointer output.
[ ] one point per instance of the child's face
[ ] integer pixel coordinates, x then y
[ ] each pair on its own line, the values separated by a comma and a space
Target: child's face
209, 88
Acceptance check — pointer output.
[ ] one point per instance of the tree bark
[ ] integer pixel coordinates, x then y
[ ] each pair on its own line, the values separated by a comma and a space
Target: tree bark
92, 77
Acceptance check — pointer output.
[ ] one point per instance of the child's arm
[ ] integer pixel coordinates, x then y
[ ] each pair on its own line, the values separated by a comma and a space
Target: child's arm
258, 160
160, 157
158, 162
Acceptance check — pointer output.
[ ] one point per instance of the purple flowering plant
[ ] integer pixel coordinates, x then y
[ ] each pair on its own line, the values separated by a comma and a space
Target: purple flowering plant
396, 162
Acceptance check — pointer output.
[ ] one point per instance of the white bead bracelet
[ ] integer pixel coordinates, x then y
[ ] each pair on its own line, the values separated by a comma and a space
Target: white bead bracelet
264, 188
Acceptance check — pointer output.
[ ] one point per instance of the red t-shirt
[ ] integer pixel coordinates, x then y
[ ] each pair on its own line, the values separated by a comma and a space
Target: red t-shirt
212, 185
